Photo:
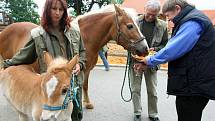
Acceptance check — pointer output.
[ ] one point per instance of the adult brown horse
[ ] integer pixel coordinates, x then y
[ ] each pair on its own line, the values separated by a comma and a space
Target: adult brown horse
96, 28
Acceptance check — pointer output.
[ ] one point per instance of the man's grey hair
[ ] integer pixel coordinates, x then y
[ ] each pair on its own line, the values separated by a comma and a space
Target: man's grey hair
169, 5
153, 4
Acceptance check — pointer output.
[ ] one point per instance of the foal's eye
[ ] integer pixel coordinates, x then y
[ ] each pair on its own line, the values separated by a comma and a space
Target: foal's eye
130, 26
64, 91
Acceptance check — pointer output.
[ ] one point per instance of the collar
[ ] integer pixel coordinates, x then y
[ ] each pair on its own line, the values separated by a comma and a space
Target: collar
183, 13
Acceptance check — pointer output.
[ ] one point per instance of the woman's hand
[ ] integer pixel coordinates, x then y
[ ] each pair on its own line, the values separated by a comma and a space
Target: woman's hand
76, 69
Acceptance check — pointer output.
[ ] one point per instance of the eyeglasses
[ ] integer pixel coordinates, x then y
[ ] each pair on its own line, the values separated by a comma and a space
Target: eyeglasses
151, 15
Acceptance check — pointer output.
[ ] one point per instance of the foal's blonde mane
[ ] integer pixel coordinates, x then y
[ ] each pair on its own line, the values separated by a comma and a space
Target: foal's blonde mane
58, 62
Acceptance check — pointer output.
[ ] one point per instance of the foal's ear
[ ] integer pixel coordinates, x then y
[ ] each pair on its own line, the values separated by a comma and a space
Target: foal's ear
73, 62
47, 57
119, 12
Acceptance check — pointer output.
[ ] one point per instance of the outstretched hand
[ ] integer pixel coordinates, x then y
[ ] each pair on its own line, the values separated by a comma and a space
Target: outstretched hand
76, 69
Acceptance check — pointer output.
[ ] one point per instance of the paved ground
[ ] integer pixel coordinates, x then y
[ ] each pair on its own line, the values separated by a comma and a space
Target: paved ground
105, 93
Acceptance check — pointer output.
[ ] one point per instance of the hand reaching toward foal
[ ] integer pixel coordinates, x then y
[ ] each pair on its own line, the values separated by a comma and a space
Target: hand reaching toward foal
76, 69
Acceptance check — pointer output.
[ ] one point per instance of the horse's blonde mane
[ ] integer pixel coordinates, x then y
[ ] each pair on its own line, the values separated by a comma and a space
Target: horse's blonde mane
57, 63
110, 8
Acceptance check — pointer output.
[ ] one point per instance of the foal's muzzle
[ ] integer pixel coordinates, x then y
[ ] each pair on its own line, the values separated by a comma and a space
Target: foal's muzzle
51, 119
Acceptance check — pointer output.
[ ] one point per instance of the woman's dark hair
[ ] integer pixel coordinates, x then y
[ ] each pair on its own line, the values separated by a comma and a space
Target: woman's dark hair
46, 16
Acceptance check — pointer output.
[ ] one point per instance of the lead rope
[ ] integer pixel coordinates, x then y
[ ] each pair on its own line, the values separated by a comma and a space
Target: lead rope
127, 69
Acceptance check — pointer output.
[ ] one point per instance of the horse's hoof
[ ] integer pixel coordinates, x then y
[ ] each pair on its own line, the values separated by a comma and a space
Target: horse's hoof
89, 106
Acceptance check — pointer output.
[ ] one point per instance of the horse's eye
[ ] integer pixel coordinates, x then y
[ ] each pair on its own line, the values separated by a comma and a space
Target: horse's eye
130, 26
64, 91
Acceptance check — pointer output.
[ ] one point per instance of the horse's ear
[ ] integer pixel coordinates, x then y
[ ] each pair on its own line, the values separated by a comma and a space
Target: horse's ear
47, 57
73, 62
119, 12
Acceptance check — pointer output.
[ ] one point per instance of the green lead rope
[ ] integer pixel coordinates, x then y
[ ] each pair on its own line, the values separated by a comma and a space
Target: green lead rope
127, 69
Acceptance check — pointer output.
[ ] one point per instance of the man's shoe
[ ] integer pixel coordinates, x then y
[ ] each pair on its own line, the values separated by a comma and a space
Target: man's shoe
154, 119
137, 118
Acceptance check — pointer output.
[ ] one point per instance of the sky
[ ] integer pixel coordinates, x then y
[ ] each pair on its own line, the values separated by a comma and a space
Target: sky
200, 4
204, 4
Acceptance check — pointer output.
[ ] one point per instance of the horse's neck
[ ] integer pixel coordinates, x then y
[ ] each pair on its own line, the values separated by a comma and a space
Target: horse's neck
96, 29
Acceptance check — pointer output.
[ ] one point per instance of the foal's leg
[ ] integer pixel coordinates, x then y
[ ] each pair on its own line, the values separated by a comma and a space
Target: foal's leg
23, 117
86, 99
36, 113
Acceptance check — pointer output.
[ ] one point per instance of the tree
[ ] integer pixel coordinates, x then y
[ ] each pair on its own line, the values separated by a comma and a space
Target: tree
21, 10
82, 6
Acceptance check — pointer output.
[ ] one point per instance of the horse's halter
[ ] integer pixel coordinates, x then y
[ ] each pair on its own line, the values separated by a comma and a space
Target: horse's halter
70, 96
123, 35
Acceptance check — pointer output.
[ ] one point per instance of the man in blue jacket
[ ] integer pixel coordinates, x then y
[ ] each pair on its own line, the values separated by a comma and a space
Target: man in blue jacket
191, 56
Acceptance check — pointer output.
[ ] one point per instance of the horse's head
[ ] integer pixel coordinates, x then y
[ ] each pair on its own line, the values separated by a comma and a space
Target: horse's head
127, 32
57, 89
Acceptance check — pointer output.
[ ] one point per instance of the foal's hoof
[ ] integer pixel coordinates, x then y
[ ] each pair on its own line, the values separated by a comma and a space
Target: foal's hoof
89, 106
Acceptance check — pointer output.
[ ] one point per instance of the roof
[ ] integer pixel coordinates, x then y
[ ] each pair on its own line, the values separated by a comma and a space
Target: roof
139, 6
210, 14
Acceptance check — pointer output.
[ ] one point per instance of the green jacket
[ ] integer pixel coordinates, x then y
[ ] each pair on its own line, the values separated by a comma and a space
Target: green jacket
41, 41
160, 33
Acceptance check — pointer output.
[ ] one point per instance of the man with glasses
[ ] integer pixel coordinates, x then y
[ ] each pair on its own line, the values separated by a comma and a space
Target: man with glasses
155, 31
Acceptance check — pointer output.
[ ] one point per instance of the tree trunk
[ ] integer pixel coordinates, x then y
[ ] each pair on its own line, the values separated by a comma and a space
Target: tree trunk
78, 7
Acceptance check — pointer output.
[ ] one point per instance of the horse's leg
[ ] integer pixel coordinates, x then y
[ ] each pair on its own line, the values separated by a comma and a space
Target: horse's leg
90, 66
23, 117
86, 99
36, 113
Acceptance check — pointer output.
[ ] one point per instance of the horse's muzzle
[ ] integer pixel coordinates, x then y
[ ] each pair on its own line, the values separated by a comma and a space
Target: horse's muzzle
139, 48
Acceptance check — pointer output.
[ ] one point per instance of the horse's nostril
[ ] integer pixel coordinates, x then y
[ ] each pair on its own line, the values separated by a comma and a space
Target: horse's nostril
53, 118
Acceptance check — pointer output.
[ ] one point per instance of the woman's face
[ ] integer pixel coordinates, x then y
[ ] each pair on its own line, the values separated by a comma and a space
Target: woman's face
56, 12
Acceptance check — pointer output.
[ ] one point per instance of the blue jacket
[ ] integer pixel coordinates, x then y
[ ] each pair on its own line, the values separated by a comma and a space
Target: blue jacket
191, 55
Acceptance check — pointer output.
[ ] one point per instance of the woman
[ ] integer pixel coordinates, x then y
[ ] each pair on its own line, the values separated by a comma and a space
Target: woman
56, 36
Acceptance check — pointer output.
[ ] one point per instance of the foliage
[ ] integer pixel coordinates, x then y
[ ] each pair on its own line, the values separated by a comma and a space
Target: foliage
82, 6
21, 10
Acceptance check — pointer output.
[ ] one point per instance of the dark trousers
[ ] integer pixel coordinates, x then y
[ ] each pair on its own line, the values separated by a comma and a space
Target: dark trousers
189, 108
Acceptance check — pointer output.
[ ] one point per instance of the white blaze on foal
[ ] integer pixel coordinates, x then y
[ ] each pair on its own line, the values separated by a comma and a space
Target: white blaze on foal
51, 86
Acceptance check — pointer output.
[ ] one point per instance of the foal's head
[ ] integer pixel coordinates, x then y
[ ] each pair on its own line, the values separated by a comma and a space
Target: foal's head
55, 86
127, 32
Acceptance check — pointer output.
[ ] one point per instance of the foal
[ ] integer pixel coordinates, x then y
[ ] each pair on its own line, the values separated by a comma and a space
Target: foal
45, 96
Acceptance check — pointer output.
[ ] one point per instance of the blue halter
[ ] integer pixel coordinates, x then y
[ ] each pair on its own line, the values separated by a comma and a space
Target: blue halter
70, 96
